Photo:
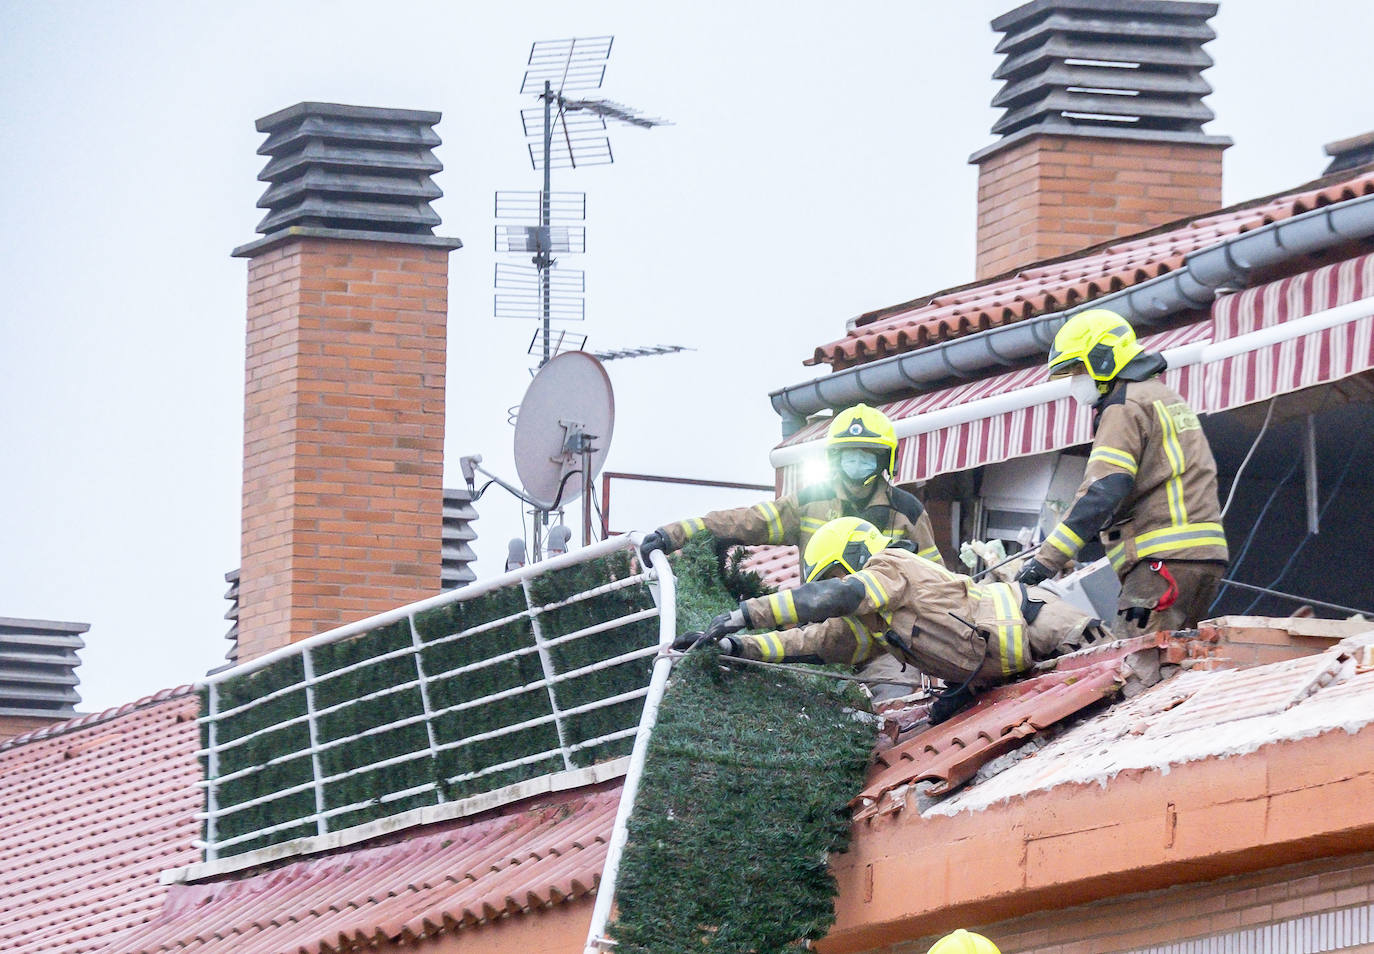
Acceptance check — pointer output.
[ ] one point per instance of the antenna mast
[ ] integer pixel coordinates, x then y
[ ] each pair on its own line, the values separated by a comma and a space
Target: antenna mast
570, 133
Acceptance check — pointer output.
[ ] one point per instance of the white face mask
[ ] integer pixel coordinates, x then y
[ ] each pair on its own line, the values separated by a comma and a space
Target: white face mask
858, 464
1083, 389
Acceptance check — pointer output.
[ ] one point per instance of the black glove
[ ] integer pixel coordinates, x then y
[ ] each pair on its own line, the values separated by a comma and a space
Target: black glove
1033, 572
657, 540
716, 631
727, 646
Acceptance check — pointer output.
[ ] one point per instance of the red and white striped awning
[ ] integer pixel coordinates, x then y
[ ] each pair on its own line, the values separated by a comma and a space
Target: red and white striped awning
1269, 340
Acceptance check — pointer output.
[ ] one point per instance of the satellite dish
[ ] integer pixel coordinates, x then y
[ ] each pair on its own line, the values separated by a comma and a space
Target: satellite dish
567, 414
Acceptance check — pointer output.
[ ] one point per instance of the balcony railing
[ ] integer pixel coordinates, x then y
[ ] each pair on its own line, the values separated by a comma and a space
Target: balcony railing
536, 672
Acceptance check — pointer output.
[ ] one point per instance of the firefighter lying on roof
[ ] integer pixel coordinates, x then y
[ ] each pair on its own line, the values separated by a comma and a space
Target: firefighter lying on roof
861, 447
863, 595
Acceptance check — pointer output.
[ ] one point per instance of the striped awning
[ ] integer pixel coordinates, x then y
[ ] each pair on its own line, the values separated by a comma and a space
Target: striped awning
1287, 335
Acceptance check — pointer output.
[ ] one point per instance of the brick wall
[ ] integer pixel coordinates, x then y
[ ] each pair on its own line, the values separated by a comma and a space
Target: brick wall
1047, 196
1296, 902
343, 435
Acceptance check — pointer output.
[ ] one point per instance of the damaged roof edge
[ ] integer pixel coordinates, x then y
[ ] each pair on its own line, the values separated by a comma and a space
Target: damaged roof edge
1146, 305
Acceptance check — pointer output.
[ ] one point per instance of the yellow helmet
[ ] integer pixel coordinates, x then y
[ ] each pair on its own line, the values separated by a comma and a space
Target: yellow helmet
864, 428
963, 942
847, 542
1098, 341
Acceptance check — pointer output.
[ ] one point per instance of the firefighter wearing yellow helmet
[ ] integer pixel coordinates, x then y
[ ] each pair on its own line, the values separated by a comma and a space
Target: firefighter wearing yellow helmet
1150, 487
861, 448
864, 598
963, 942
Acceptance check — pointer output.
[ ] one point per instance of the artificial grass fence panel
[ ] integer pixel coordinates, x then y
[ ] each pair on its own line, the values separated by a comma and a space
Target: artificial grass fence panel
492, 695
744, 797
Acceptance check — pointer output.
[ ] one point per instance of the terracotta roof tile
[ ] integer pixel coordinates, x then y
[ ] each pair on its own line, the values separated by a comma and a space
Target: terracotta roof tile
1198, 714
1059, 284
445, 879
778, 566
92, 810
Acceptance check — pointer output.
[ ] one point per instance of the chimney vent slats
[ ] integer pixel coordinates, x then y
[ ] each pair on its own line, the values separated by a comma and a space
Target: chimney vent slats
38, 662
1065, 61
350, 168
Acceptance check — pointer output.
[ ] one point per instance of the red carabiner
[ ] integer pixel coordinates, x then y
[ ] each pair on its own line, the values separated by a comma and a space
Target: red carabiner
1170, 596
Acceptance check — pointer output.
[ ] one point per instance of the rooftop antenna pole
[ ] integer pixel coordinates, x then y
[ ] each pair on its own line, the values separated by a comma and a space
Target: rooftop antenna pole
542, 260
555, 68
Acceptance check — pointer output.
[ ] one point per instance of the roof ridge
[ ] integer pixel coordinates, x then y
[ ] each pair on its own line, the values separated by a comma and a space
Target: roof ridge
96, 718
921, 301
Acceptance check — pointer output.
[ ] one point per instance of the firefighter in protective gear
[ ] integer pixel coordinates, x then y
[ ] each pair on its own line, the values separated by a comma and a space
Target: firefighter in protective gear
1150, 487
865, 595
861, 447
963, 942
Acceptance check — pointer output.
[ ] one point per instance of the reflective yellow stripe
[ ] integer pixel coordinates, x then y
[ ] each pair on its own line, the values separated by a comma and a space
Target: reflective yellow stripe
1173, 450
863, 639
1177, 538
1117, 458
896, 533
783, 607
771, 647
812, 523
772, 518
876, 594
692, 526
1117, 556
1065, 540
931, 553
1008, 632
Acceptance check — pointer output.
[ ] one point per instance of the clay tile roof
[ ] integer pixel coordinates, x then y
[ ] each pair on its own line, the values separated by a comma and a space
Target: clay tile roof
463, 875
1197, 714
777, 566
91, 810
1062, 283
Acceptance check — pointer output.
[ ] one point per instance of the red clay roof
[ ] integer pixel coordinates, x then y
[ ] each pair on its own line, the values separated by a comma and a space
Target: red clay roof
461, 876
1198, 714
778, 566
1059, 284
91, 811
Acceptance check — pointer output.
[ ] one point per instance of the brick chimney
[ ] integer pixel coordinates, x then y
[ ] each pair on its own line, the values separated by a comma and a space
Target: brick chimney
344, 396
1102, 135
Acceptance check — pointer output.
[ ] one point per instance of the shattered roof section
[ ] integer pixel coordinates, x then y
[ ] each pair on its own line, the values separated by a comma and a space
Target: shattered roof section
1197, 714
1053, 286
460, 877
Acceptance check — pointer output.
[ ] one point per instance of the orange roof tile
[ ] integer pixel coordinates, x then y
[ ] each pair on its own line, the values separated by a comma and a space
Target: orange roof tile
777, 566
461, 875
91, 811
1200, 714
1062, 283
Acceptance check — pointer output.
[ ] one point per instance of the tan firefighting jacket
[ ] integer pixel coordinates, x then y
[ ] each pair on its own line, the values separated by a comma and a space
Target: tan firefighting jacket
1150, 488
795, 517
908, 607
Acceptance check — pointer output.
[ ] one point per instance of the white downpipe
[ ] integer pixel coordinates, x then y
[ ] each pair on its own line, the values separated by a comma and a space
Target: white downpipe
1181, 357
597, 943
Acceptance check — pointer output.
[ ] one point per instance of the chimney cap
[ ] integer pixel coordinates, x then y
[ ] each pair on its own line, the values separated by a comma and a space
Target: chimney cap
1168, 8
1350, 153
1104, 68
341, 171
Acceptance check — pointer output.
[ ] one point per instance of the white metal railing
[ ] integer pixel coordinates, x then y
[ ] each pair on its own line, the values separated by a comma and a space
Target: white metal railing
545, 707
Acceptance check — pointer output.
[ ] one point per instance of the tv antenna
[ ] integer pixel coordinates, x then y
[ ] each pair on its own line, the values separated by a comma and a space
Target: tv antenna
564, 133
563, 431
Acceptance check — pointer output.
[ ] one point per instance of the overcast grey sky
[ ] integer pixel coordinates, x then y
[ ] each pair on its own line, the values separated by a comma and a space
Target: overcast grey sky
816, 169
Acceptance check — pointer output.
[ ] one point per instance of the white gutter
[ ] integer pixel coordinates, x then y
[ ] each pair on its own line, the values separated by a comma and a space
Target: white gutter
597, 942
1181, 357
